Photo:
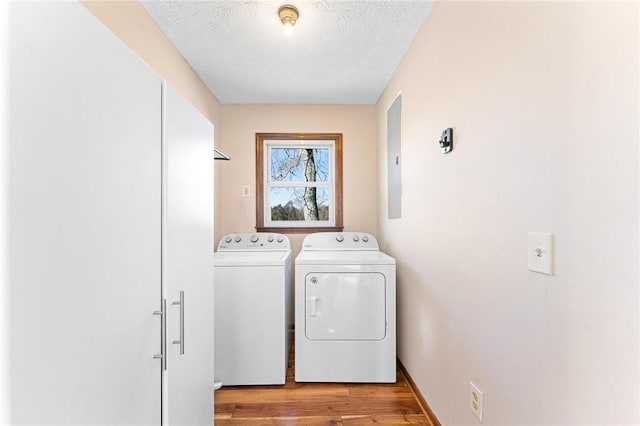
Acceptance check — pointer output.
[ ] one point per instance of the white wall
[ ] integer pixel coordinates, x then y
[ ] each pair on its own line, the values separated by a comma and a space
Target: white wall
240, 123
543, 99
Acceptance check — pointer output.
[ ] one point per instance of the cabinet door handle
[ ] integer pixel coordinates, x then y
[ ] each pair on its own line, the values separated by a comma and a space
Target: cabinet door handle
163, 334
181, 341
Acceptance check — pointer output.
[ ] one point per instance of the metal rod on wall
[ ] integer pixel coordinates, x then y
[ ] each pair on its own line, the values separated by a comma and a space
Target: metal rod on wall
220, 155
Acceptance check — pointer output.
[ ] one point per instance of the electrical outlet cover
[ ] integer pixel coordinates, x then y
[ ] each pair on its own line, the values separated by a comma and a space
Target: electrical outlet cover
540, 252
475, 401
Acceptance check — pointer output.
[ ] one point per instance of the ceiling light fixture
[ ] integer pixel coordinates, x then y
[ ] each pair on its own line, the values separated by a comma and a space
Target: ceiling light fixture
288, 16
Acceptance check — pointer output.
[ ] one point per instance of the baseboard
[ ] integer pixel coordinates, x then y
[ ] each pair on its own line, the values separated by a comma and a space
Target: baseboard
423, 404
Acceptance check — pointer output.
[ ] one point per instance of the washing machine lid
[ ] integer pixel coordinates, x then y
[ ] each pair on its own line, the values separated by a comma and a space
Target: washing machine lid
346, 257
251, 258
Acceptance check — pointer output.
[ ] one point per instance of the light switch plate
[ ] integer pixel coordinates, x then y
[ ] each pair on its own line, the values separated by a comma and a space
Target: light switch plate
540, 252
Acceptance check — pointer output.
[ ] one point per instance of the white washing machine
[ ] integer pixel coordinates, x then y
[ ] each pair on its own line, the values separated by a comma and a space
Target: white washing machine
345, 310
252, 299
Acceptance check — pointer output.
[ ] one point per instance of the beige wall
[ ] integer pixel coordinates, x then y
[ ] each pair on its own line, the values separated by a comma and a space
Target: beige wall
543, 99
242, 122
132, 24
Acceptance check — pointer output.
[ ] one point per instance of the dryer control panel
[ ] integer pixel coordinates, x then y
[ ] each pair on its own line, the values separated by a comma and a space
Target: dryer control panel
246, 241
340, 241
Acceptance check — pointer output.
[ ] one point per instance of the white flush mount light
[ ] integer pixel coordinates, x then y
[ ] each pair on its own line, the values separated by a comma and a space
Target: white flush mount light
288, 16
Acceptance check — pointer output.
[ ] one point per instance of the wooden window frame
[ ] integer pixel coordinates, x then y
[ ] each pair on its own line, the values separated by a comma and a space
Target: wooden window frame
260, 183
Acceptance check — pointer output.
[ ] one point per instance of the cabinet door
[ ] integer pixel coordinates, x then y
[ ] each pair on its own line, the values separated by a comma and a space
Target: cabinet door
188, 260
85, 222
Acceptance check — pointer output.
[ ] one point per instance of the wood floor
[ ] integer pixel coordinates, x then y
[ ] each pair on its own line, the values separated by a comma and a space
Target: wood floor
319, 404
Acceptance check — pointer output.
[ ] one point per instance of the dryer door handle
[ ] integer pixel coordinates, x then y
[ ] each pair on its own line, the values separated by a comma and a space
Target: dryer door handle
313, 306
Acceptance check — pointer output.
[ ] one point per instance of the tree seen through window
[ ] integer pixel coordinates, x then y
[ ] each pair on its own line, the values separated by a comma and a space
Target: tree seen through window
298, 166
298, 182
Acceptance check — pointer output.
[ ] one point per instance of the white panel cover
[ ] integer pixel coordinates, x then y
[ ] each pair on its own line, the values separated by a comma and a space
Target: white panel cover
340, 241
251, 325
345, 306
255, 241
394, 159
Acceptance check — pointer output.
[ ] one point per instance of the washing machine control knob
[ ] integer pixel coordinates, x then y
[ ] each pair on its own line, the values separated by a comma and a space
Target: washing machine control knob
355, 238
280, 239
238, 239
270, 238
339, 238
254, 238
314, 280
365, 238
228, 240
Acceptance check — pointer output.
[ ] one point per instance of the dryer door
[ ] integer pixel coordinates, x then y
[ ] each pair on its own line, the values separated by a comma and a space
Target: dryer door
345, 306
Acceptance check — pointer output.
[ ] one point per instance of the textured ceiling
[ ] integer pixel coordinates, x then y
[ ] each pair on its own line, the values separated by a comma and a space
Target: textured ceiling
341, 51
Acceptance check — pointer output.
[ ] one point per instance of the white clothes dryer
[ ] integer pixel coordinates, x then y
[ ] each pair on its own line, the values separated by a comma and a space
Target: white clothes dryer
252, 302
345, 310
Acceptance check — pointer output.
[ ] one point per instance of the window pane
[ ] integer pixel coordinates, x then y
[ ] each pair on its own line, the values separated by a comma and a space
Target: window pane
291, 204
299, 164
289, 168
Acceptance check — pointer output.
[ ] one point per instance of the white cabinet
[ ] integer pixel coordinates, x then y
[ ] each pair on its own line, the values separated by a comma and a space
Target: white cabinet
188, 261
96, 241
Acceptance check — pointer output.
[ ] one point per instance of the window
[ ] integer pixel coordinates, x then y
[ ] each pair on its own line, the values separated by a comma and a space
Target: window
299, 182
